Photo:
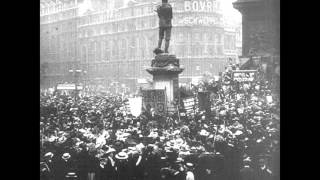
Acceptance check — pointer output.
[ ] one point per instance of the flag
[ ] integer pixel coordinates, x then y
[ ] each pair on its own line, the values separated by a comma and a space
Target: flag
135, 105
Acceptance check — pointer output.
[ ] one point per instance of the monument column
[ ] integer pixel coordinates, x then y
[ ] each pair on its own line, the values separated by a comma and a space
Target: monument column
165, 69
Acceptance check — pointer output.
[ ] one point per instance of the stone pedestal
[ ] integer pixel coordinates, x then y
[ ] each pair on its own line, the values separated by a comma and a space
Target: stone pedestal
165, 69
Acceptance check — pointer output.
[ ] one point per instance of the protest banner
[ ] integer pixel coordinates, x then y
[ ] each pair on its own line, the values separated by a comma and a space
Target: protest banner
244, 75
156, 99
135, 106
204, 100
189, 104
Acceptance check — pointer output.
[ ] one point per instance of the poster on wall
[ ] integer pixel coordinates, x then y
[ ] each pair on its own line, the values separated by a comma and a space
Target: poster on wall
156, 99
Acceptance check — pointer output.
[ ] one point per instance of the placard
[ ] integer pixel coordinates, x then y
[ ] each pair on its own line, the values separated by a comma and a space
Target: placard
156, 99
244, 75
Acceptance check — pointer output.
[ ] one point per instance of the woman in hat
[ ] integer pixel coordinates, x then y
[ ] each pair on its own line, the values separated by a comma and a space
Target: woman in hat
109, 170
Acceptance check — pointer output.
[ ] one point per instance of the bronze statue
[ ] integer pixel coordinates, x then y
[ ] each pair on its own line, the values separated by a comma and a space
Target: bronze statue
165, 16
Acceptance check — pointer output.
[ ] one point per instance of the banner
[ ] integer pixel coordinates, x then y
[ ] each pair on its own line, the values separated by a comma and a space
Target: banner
244, 75
156, 99
204, 100
135, 106
189, 104
68, 87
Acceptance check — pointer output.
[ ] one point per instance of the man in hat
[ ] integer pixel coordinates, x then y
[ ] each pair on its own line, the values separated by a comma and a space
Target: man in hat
47, 166
165, 16
122, 166
92, 165
64, 166
263, 173
109, 169
247, 173
189, 171
82, 158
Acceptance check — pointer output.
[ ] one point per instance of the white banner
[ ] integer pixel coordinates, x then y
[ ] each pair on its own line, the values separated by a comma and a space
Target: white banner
135, 105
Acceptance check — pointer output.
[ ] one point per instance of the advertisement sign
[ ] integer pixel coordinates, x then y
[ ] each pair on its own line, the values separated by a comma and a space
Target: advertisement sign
196, 20
244, 75
156, 99
201, 5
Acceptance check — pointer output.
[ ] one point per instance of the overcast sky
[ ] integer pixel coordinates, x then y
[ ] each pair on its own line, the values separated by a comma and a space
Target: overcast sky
226, 5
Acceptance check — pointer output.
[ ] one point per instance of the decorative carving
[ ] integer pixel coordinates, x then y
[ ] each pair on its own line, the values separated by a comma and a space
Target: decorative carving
163, 60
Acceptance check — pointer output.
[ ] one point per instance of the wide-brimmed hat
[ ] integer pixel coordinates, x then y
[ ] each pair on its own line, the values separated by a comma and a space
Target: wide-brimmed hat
66, 156
49, 154
110, 150
189, 165
122, 155
203, 132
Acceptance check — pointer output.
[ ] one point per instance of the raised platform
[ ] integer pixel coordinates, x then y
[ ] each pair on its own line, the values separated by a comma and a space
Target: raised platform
165, 69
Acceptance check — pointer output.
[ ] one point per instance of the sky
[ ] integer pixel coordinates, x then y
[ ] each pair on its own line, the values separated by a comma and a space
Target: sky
229, 11
226, 5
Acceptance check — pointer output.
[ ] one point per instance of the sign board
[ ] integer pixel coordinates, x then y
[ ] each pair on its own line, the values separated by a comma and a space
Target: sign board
204, 100
156, 99
68, 87
189, 104
244, 75
201, 5
196, 20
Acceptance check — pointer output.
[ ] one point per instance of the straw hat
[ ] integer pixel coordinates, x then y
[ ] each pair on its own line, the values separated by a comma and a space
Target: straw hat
122, 155
66, 156
49, 154
189, 165
110, 150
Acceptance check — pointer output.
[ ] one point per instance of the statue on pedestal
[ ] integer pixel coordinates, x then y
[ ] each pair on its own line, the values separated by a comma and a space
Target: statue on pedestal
165, 16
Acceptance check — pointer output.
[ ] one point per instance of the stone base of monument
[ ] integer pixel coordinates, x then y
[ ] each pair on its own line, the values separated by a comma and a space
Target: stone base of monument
165, 69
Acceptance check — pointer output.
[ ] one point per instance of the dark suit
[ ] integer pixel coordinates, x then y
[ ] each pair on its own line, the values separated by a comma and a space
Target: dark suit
165, 16
264, 174
62, 168
247, 173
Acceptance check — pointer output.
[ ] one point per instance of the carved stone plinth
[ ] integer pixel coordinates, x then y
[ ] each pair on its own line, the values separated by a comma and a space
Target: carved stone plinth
165, 69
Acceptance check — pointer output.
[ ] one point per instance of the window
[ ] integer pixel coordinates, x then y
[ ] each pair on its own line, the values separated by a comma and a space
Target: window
123, 50
98, 51
107, 52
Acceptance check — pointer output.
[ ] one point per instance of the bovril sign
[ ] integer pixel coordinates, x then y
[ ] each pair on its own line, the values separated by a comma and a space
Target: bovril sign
201, 5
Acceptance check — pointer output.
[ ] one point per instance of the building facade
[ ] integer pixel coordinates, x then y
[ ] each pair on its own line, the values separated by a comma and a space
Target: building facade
116, 44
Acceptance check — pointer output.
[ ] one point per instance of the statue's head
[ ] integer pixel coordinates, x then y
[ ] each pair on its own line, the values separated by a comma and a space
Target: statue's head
164, 1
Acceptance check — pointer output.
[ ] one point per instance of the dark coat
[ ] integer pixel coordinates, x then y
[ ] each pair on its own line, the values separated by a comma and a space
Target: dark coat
247, 173
108, 172
62, 167
122, 170
165, 15
264, 174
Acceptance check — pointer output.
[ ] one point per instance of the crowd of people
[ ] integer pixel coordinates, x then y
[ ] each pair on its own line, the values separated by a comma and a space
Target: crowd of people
95, 137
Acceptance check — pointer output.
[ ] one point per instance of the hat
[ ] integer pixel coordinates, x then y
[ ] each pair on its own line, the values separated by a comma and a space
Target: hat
248, 159
49, 154
110, 150
122, 155
66, 156
204, 133
179, 159
188, 164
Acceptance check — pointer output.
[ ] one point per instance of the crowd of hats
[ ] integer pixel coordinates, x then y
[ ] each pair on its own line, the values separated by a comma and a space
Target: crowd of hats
240, 117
